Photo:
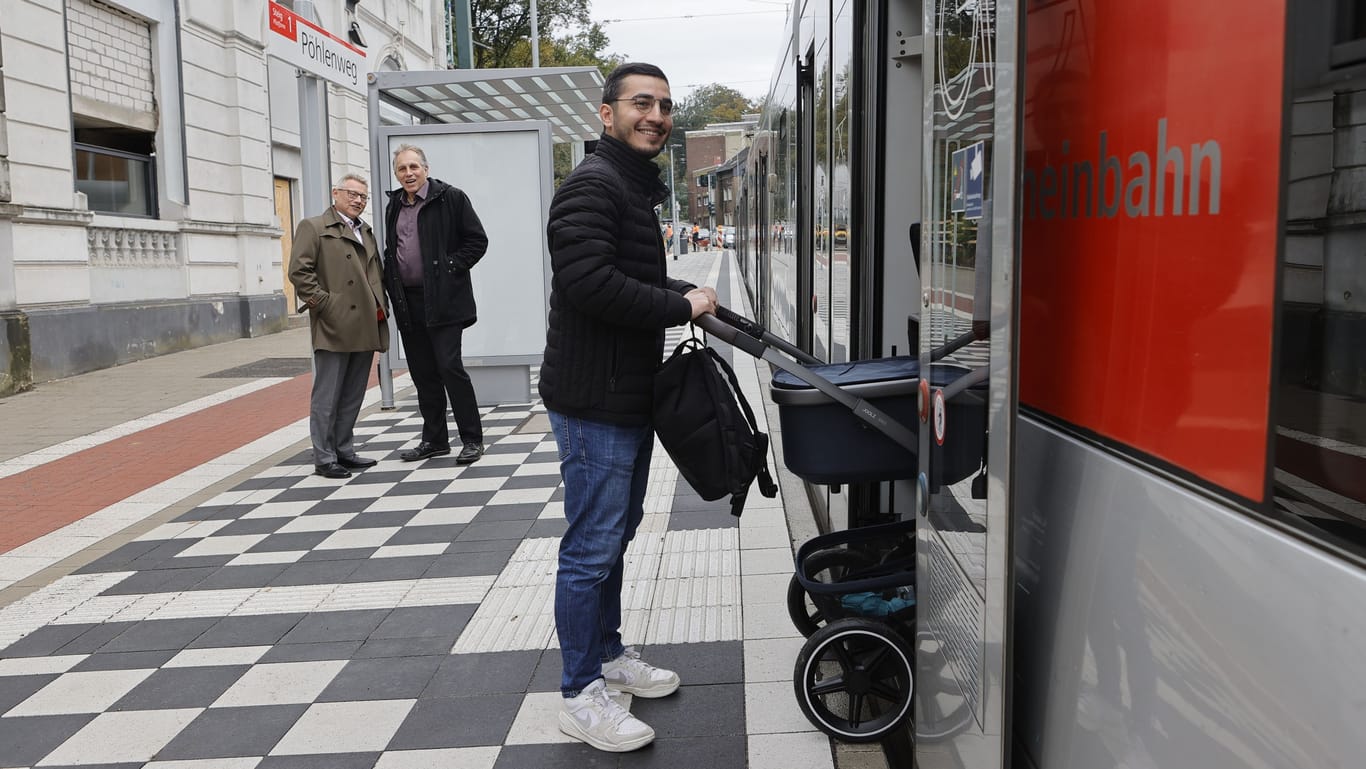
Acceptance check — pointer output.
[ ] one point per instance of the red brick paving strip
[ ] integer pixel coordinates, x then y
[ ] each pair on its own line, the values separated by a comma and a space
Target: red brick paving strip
39, 501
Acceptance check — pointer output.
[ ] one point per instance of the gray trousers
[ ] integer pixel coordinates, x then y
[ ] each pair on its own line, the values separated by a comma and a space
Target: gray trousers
339, 380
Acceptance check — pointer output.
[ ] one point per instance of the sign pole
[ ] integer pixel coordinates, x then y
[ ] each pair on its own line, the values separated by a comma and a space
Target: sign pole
377, 162
296, 37
673, 206
313, 139
313, 176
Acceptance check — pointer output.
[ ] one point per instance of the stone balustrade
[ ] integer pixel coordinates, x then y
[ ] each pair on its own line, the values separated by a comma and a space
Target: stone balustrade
124, 247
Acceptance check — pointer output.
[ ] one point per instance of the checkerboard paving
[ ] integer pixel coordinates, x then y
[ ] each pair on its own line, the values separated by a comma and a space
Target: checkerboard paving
945, 327
401, 618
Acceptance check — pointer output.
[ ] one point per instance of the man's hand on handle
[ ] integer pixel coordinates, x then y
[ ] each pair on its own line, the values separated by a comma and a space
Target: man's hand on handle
703, 300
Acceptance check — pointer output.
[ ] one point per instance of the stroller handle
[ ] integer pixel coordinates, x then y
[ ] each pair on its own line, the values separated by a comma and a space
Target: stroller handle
727, 325
712, 324
738, 331
740, 322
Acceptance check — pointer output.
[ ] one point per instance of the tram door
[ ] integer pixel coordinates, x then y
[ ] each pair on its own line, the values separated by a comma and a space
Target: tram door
968, 400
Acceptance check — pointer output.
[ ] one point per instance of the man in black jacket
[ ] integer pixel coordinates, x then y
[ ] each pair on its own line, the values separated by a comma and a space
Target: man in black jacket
433, 239
610, 302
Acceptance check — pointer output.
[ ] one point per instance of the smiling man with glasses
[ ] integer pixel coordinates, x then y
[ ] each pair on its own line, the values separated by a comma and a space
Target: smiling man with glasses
335, 268
610, 302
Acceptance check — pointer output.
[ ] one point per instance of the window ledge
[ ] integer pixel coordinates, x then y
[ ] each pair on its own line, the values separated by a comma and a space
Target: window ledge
114, 221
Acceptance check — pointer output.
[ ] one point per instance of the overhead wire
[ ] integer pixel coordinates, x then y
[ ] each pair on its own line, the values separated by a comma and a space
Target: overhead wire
689, 16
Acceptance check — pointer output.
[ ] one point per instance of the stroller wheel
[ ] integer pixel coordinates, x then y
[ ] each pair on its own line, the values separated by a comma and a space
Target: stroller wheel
827, 567
941, 711
855, 679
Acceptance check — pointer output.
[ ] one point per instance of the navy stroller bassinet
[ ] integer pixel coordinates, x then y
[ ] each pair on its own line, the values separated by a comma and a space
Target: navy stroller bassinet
826, 439
824, 442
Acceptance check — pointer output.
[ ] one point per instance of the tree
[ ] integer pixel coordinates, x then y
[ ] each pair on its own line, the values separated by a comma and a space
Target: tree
568, 38
714, 103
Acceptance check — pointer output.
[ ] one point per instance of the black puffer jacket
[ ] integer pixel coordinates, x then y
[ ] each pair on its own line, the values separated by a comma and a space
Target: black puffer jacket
610, 299
452, 240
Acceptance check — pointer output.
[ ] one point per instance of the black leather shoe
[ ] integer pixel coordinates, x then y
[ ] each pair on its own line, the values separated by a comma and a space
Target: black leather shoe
424, 450
470, 454
331, 470
356, 463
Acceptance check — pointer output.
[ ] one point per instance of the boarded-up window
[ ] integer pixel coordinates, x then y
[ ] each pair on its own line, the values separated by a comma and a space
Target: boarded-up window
110, 57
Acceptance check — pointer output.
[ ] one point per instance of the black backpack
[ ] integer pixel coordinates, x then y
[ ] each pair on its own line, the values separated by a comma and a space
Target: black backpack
707, 427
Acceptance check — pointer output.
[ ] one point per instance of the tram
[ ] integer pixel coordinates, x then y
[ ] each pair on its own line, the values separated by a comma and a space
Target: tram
1148, 220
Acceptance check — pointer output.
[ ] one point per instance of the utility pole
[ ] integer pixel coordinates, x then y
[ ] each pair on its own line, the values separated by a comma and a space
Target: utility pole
464, 36
673, 205
673, 194
535, 38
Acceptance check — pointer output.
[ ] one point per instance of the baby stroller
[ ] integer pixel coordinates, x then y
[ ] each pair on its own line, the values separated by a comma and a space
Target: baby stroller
853, 592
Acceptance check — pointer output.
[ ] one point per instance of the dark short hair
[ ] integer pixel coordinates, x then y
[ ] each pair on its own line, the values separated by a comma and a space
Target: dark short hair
611, 90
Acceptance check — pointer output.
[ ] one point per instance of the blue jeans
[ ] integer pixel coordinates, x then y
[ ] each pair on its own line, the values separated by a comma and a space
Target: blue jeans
605, 469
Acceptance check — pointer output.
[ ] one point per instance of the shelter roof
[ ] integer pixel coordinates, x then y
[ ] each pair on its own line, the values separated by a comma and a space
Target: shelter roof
568, 97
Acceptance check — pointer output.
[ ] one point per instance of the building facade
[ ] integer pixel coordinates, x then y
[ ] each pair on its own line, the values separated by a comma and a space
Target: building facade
707, 149
150, 170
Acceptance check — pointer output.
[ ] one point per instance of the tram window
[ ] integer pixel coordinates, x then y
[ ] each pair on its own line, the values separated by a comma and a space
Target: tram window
1349, 33
1319, 462
1319, 443
1351, 21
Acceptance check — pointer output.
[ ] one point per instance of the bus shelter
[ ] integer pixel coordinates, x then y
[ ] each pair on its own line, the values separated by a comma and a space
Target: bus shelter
489, 132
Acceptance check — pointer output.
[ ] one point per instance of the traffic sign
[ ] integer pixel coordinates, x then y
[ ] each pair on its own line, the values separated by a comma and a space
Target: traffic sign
309, 47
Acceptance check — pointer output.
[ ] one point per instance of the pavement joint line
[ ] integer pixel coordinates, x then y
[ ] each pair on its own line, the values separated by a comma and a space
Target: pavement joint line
56, 546
42, 456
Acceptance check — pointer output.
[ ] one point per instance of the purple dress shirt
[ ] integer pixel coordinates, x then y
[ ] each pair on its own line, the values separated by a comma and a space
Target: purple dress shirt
409, 251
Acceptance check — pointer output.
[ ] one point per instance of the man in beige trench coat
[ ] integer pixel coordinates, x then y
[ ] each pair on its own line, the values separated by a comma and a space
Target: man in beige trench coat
337, 276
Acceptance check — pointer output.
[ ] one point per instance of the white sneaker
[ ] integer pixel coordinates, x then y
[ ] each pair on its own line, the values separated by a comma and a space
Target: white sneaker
633, 675
594, 718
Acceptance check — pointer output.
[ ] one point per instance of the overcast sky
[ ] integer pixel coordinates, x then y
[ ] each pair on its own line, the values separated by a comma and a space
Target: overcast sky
698, 42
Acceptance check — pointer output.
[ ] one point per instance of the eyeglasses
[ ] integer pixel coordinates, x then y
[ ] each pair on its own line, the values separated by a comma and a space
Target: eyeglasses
361, 196
646, 103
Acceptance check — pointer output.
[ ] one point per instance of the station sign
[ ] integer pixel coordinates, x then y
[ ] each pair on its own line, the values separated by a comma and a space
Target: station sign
309, 47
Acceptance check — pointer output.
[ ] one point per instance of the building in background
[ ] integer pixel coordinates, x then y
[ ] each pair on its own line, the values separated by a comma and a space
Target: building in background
150, 166
726, 188
708, 149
